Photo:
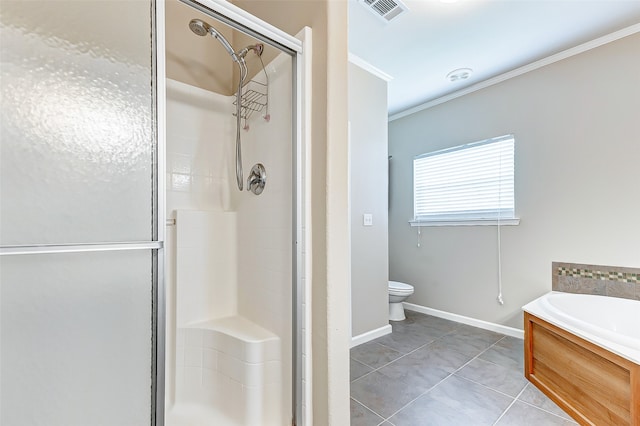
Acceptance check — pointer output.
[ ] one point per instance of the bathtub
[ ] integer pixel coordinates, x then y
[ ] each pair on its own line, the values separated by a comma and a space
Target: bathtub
609, 322
583, 351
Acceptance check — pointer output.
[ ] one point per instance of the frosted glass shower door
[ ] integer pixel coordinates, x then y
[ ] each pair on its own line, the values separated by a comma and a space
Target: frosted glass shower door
80, 242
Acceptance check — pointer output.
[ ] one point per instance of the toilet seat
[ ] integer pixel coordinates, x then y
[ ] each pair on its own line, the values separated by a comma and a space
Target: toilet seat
399, 287
395, 292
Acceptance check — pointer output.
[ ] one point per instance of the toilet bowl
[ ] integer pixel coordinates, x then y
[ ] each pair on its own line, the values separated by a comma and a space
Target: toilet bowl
398, 292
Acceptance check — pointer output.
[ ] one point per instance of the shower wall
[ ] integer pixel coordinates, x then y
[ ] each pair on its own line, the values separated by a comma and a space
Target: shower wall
249, 235
195, 180
265, 233
265, 221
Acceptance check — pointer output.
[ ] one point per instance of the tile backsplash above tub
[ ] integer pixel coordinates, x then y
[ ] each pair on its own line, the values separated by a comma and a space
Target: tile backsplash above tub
611, 281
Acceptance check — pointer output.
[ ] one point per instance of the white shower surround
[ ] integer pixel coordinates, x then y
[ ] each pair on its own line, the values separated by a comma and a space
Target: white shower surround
200, 177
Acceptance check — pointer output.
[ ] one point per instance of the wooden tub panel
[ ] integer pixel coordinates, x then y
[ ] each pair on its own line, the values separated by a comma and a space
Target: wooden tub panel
593, 385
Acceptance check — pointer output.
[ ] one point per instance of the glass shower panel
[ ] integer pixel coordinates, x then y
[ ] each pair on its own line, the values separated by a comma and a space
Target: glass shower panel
76, 147
76, 338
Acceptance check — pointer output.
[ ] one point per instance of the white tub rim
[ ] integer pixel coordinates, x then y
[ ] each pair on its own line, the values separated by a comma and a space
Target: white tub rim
626, 347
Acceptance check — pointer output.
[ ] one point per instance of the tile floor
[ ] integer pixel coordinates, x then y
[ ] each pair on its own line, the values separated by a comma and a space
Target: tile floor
431, 371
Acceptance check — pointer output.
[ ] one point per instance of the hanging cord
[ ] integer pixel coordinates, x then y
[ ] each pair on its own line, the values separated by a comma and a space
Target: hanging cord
499, 298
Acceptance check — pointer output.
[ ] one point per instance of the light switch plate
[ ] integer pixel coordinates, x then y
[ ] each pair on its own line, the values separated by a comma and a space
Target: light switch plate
367, 219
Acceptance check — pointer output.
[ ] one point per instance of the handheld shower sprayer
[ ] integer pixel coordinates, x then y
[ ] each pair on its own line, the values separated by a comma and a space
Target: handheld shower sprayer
201, 28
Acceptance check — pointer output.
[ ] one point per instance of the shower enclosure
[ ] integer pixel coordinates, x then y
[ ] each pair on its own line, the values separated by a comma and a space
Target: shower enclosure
231, 253
138, 284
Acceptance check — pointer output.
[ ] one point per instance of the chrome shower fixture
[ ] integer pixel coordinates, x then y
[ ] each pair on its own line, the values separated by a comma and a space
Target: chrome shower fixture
201, 28
257, 48
257, 179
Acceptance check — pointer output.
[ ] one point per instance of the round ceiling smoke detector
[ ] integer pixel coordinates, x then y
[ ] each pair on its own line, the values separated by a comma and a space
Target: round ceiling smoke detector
459, 74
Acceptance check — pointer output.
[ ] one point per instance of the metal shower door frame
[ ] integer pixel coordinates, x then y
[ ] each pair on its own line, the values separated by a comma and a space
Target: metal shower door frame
242, 21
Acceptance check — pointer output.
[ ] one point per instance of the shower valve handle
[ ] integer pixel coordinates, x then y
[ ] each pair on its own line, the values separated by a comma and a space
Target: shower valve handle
257, 179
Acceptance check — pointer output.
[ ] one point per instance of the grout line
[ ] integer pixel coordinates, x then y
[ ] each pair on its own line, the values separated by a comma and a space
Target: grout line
366, 365
368, 408
364, 375
570, 419
509, 406
418, 397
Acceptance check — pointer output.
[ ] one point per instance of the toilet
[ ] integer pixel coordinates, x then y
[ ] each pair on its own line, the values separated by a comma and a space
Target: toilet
398, 292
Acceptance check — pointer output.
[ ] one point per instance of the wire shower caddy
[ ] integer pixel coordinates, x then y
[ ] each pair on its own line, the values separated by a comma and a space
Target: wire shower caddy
254, 98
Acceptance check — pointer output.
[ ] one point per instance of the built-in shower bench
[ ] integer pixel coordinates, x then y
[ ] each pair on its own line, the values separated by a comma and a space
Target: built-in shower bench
233, 363
240, 338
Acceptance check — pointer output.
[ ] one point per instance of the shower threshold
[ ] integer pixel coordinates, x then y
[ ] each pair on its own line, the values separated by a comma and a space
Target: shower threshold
193, 414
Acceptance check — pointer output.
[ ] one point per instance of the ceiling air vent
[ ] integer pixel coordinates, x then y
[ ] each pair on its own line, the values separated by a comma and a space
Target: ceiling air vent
387, 10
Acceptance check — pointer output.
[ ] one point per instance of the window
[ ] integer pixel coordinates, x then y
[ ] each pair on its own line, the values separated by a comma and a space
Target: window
468, 184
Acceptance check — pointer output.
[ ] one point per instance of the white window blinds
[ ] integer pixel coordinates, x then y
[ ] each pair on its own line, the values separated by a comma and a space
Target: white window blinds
468, 182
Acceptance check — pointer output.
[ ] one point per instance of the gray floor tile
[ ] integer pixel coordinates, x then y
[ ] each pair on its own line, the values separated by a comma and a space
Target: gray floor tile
441, 324
455, 401
508, 352
447, 359
374, 355
534, 396
357, 369
421, 379
409, 338
503, 379
468, 345
425, 367
478, 333
362, 416
521, 414
382, 394
411, 363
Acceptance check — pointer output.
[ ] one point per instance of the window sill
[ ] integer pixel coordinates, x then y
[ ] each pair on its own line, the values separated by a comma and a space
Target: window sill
465, 222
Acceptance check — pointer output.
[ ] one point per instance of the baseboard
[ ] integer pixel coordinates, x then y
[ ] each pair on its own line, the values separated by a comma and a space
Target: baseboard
509, 331
370, 335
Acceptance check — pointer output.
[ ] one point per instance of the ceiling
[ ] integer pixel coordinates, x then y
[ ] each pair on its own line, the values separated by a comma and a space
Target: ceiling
420, 47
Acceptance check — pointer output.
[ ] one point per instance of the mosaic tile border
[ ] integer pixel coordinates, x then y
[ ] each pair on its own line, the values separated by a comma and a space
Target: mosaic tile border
625, 277
613, 281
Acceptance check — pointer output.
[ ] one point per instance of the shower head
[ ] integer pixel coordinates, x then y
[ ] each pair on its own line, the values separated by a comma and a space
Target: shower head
201, 28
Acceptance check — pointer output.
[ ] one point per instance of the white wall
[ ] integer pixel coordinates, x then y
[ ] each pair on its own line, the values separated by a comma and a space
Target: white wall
368, 175
576, 125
